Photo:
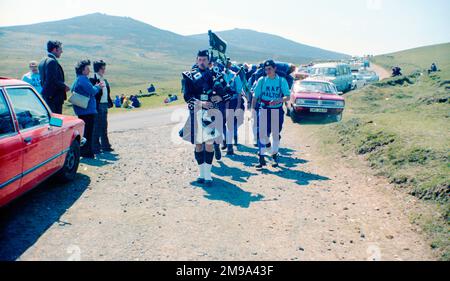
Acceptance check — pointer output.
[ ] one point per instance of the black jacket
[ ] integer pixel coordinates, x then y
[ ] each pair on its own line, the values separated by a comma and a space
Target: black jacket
52, 80
98, 97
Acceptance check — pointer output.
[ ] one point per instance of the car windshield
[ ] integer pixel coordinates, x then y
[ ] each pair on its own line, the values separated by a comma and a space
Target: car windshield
315, 87
327, 71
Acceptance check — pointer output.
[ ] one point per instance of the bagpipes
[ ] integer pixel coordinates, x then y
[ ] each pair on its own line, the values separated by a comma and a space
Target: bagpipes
218, 46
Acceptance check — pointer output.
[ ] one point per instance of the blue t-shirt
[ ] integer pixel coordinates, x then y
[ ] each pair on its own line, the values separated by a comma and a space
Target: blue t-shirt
34, 79
268, 90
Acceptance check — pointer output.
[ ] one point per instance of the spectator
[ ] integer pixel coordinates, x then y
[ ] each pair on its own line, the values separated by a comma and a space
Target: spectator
122, 99
152, 89
127, 104
118, 102
433, 68
104, 102
54, 88
83, 86
135, 102
33, 77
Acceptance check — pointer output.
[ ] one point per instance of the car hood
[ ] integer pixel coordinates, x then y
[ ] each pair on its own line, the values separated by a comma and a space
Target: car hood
317, 96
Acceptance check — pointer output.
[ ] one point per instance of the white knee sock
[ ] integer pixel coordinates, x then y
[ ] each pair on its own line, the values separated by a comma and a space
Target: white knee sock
275, 146
202, 171
207, 169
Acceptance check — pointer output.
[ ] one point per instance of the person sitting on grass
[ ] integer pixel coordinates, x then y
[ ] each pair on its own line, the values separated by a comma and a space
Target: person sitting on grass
127, 104
433, 68
118, 102
151, 89
135, 102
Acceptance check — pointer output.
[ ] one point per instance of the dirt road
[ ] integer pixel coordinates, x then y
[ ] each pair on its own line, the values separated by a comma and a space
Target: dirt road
141, 204
382, 72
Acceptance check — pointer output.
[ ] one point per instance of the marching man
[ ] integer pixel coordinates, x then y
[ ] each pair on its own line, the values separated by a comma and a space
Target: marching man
271, 92
203, 92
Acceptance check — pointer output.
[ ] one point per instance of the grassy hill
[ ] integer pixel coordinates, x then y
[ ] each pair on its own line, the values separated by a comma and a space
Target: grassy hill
401, 126
418, 59
269, 45
137, 53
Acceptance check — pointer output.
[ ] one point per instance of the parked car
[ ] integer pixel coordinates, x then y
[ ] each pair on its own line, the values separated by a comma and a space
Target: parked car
358, 81
315, 96
338, 73
34, 143
370, 76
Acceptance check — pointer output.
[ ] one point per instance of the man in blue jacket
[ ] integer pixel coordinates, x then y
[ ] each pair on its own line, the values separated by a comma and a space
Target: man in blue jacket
54, 88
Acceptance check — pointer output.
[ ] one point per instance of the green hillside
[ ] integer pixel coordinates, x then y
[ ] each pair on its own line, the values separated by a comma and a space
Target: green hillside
417, 59
401, 126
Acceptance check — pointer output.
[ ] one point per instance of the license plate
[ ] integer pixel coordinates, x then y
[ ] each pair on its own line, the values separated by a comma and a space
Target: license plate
319, 110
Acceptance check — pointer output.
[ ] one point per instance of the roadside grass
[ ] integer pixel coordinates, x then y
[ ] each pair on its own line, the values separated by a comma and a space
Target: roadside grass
401, 127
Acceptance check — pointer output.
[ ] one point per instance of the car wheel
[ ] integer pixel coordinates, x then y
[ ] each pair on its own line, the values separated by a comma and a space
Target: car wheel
294, 116
70, 168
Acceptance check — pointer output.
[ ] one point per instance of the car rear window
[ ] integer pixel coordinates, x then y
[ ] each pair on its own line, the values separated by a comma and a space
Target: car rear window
6, 122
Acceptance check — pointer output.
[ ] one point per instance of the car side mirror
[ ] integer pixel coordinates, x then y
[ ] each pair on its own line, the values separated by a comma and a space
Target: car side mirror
340, 93
56, 122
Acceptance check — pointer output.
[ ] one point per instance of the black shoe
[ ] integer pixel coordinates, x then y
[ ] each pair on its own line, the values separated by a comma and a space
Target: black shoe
230, 151
108, 150
262, 162
269, 145
224, 146
200, 181
256, 145
217, 152
275, 158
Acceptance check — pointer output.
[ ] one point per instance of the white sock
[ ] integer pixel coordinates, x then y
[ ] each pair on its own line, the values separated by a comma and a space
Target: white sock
275, 146
207, 169
202, 171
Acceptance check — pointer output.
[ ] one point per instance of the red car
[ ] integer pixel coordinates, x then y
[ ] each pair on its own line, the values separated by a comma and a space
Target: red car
34, 143
314, 96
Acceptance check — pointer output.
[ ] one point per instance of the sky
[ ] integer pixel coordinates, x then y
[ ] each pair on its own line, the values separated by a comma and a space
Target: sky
355, 27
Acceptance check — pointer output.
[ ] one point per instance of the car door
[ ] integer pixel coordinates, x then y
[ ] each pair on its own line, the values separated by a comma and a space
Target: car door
43, 143
11, 158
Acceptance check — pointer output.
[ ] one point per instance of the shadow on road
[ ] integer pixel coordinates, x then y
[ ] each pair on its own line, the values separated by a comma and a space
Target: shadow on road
101, 160
300, 177
29, 217
229, 193
236, 174
286, 171
250, 161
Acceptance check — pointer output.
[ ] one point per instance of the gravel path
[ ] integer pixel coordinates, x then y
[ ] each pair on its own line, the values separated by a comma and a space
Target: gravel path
141, 204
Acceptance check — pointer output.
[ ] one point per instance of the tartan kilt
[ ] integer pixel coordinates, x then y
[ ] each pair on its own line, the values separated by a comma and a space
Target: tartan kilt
196, 130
